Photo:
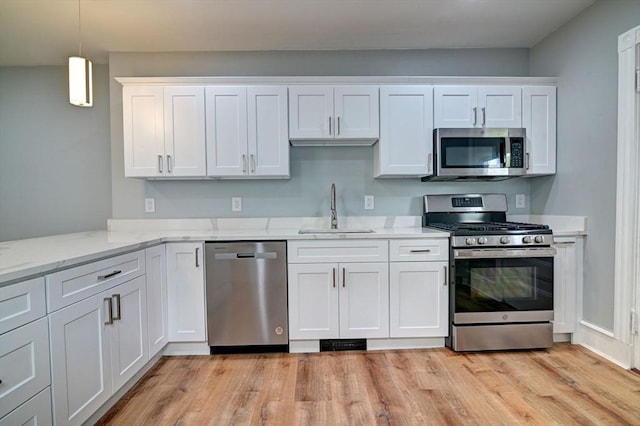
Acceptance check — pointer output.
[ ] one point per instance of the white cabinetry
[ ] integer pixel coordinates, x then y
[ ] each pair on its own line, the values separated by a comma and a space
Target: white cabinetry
331, 299
164, 131
567, 279
185, 288
539, 120
477, 106
405, 147
334, 113
24, 353
418, 288
156, 278
247, 132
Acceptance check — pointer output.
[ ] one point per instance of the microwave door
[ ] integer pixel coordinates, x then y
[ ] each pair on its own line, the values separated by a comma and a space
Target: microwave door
471, 156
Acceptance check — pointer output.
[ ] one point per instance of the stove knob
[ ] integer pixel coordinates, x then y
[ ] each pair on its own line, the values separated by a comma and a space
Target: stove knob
470, 241
539, 239
482, 240
527, 239
504, 240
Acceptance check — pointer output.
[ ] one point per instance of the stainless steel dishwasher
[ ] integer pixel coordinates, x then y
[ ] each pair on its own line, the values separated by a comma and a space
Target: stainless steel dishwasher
247, 296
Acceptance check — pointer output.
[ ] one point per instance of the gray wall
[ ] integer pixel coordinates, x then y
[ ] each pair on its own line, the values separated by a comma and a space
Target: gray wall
312, 169
55, 165
583, 54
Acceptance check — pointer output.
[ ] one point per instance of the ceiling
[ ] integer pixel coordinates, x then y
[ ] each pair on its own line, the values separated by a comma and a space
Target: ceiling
45, 32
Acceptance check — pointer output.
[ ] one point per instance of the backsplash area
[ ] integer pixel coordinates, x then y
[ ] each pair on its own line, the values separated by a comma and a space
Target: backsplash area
306, 193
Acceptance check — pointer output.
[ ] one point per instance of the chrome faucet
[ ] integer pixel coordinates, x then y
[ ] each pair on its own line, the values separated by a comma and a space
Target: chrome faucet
334, 215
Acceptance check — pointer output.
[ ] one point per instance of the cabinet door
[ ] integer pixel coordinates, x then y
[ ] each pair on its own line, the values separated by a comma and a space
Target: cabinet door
268, 128
24, 364
539, 120
419, 299
405, 147
500, 106
129, 346
143, 125
311, 112
184, 140
185, 288
455, 106
357, 112
313, 301
364, 300
564, 285
80, 359
226, 124
157, 322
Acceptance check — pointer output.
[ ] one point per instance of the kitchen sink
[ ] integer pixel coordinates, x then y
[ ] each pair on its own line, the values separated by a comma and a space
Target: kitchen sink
336, 231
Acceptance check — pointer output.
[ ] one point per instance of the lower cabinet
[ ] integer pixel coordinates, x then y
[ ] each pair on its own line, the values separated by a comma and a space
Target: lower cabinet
185, 289
338, 300
97, 345
156, 277
567, 276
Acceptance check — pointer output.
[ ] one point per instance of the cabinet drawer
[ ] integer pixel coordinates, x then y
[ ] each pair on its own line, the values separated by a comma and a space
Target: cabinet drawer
21, 303
36, 411
73, 285
24, 364
337, 251
419, 250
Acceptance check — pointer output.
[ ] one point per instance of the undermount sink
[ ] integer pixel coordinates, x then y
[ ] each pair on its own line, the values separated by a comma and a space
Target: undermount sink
336, 231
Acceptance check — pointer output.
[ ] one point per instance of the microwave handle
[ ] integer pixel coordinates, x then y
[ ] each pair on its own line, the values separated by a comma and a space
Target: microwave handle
507, 154
430, 163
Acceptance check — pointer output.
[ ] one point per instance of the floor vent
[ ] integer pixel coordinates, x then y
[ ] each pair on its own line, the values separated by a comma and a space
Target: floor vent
332, 345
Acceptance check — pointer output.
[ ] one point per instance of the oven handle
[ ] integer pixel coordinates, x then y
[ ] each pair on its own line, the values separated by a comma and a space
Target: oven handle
503, 253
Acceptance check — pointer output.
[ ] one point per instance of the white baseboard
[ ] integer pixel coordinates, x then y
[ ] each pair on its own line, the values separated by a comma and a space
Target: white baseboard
604, 343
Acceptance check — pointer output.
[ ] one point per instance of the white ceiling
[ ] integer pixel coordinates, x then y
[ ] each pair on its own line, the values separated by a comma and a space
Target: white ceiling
45, 32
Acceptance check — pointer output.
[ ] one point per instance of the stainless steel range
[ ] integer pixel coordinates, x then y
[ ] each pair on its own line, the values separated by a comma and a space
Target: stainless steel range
500, 276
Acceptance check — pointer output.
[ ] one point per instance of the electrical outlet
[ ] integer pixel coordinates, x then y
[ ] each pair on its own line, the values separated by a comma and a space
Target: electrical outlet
236, 204
149, 205
520, 201
368, 202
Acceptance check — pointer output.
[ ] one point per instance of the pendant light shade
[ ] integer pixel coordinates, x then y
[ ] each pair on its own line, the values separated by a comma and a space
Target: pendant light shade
80, 82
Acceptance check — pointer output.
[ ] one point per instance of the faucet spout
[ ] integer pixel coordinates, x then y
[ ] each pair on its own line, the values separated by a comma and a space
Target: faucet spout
334, 214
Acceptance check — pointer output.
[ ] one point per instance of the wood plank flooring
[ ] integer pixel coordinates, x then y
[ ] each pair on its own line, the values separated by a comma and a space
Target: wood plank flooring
565, 385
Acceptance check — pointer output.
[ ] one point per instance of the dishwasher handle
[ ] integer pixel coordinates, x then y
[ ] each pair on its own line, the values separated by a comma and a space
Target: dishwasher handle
246, 255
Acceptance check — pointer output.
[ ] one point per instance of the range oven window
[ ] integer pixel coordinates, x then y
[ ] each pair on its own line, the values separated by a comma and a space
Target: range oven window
470, 152
512, 284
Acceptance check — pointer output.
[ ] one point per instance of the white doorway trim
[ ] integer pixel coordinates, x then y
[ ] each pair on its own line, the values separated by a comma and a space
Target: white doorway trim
627, 245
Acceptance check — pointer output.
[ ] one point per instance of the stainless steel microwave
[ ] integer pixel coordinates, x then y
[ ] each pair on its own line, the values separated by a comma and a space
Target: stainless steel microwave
478, 154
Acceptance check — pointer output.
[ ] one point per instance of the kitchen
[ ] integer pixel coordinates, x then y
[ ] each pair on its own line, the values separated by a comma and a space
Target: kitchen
59, 180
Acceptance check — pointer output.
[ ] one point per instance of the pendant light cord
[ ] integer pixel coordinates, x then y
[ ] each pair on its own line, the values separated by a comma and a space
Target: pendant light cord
79, 31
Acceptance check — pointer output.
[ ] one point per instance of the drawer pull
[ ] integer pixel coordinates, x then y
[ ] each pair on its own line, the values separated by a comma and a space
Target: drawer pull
420, 251
110, 310
118, 315
106, 277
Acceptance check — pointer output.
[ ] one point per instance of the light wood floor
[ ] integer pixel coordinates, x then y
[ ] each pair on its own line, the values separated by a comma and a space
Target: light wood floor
566, 385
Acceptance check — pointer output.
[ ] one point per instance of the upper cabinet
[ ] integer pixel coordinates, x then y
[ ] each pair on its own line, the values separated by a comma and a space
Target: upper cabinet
163, 131
405, 147
341, 115
247, 132
477, 106
539, 120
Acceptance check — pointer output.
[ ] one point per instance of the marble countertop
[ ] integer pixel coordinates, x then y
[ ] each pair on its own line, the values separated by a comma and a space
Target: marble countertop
23, 259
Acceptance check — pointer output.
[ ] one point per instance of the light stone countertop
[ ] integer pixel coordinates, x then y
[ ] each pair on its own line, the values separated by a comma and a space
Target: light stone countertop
23, 259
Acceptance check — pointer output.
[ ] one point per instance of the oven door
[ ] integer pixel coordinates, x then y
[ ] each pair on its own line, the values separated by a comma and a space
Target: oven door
502, 285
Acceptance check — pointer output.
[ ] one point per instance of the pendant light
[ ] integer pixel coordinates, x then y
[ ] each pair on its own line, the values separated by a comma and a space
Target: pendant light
80, 75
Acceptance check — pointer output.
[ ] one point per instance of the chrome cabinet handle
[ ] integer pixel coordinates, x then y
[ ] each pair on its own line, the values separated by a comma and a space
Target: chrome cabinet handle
344, 277
446, 275
107, 276
117, 299
244, 163
526, 161
334, 277
160, 163
253, 163
110, 310
484, 116
197, 260
338, 126
429, 163
330, 125
475, 115
420, 251
169, 164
